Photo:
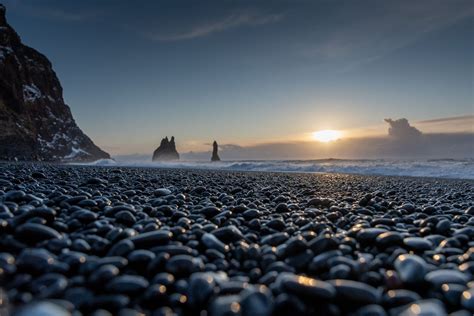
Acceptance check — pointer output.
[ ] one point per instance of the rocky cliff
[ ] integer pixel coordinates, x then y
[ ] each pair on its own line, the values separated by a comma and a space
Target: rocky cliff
166, 151
35, 123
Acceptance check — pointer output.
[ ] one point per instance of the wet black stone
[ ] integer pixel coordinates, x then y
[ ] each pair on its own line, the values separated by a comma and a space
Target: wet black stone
85, 216
183, 265
117, 261
79, 296
256, 301
443, 226
42, 307
32, 233
156, 295
281, 208
140, 258
112, 302
211, 242
306, 287
38, 175
417, 243
225, 306
371, 310
294, 246
286, 304
81, 245
323, 243
467, 299
452, 293
158, 263
210, 211
251, 214
395, 298
162, 192
7, 264
276, 224
389, 239
432, 307
103, 274
122, 248
47, 213
96, 181
49, 285
150, 239
173, 250
127, 284
275, 239
411, 269
442, 276
228, 234
14, 195
201, 288
368, 235
356, 292
125, 217
35, 260
321, 262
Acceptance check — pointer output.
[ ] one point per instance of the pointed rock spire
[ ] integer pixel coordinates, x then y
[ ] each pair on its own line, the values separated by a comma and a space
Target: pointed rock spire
215, 154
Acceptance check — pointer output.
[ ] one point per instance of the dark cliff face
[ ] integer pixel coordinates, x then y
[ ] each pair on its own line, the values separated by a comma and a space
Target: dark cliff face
166, 151
35, 123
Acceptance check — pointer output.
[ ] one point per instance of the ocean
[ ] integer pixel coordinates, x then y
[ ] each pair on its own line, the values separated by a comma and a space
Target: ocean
439, 168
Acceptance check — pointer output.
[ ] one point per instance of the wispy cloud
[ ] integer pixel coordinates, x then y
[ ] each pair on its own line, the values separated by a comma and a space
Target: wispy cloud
456, 124
64, 15
220, 25
362, 38
469, 117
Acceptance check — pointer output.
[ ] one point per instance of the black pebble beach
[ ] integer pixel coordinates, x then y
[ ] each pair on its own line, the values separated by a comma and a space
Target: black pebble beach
77, 240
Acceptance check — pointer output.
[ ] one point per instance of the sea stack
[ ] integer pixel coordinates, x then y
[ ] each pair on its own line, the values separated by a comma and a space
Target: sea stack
167, 150
215, 149
35, 123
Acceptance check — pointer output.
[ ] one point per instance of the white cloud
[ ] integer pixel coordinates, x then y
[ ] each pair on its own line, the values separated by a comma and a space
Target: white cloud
216, 26
401, 129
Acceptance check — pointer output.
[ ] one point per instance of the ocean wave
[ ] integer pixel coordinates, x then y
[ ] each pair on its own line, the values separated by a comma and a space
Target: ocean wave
440, 168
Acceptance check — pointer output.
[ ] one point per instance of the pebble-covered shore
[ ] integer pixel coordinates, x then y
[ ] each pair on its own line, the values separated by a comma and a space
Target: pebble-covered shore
123, 241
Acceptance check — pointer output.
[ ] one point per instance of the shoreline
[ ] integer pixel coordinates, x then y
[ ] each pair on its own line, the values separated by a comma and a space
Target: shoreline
425, 169
170, 167
462, 169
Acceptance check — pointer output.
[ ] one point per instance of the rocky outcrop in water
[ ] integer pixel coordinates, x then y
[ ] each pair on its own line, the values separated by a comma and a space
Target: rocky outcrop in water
215, 149
166, 151
35, 123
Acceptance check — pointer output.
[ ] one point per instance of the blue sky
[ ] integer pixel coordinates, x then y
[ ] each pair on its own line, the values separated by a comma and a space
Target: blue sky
246, 72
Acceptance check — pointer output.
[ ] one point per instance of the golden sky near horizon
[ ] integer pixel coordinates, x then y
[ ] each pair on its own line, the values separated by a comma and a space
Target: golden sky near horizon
461, 124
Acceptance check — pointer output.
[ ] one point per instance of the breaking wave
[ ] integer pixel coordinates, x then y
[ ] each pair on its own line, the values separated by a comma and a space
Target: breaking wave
439, 168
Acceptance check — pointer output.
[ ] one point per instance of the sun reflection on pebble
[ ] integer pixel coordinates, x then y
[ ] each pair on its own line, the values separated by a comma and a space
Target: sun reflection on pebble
235, 307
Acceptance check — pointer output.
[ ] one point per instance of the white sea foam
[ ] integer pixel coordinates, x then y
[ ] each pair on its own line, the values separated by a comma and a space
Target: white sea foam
440, 168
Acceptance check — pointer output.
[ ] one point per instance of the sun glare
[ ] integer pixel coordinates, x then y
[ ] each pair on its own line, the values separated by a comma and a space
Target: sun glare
327, 135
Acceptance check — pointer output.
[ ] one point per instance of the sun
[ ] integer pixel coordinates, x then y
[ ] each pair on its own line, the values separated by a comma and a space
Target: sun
327, 135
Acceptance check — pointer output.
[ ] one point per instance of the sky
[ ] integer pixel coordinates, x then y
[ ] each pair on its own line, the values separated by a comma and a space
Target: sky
256, 73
